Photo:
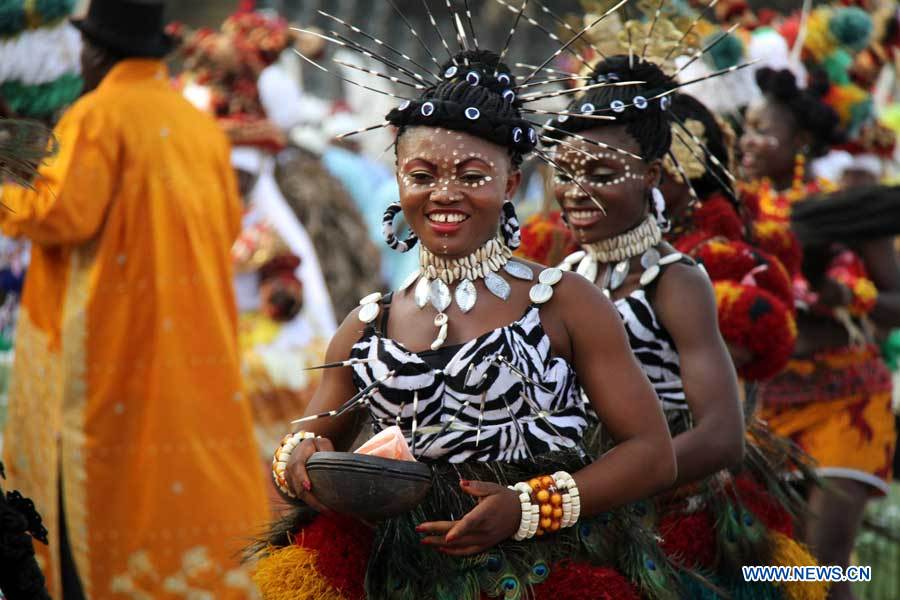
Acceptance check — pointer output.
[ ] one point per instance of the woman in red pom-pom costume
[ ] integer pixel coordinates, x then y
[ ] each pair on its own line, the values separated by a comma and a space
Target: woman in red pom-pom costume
834, 397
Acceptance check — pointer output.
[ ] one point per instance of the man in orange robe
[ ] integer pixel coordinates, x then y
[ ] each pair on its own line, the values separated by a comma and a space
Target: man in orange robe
126, 391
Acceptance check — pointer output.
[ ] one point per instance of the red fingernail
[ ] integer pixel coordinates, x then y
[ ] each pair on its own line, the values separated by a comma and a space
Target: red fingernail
307, 486
464, 482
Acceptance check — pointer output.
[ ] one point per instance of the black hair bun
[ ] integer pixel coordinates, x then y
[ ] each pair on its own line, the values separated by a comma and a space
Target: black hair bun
483, 64
811, 113
780, 84
642, 108
476, 95
623, 68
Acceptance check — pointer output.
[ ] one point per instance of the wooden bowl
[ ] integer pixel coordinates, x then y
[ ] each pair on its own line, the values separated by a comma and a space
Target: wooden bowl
368, 487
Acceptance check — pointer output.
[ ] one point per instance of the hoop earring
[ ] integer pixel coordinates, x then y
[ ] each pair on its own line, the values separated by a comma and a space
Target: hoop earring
387, 229
509, 226
659, 207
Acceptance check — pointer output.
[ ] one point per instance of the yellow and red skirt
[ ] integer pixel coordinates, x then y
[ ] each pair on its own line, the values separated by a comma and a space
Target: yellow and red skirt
837, 407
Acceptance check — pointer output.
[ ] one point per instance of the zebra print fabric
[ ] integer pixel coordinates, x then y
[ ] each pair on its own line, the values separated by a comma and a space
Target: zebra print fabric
476, 407
509, 226
390, 235
653, 347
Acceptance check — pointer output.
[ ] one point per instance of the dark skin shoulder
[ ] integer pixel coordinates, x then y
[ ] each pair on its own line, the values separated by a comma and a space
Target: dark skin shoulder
685, 305
883, 266
619, 391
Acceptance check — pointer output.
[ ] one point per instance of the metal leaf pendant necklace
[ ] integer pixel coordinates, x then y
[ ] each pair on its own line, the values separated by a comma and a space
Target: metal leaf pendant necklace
436, 276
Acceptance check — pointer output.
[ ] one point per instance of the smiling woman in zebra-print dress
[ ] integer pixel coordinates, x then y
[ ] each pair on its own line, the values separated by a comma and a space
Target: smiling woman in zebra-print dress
725, 512
480, 361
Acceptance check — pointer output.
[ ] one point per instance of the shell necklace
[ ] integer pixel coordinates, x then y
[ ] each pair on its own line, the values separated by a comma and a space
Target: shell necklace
614, 256
435, 276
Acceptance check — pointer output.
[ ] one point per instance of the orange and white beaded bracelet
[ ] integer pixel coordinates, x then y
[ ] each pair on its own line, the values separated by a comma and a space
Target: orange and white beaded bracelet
549, 503
283, 454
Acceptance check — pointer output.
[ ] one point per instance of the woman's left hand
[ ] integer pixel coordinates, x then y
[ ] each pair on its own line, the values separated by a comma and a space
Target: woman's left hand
495, 519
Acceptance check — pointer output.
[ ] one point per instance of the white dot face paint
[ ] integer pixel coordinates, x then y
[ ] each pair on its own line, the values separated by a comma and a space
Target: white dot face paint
592, 169
452, 187
446, 166
589, 174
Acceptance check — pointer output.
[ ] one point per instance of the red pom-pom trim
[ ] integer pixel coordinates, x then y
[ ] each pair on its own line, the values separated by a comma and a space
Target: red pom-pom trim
343, 545
689, 539
776, 238
742, 263
546, 239
753, 319
717, 216
580, 581
758, 501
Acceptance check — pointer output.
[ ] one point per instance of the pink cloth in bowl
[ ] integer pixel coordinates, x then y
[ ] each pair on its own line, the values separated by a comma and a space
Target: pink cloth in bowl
390, 443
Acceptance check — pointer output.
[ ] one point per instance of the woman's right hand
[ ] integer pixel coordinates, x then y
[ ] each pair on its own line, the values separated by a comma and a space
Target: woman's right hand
296, 476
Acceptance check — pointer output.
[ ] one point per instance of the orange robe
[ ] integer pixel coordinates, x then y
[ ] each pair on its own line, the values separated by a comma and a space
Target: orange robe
126, 379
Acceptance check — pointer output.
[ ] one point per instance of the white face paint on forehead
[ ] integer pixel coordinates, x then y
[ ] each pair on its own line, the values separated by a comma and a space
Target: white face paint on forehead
446, 157
590, 176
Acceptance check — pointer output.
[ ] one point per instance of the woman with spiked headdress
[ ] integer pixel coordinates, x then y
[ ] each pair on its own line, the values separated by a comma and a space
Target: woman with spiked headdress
475, 367
718, 518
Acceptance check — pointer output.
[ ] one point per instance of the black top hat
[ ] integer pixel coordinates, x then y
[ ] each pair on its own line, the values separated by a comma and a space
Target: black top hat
128, 27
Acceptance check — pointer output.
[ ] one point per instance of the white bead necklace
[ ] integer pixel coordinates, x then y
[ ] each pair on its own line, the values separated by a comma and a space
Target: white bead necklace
614, 256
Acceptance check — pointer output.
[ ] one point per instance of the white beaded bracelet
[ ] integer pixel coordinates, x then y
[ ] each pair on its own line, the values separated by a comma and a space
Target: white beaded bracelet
282, 455
571, 498
530, 519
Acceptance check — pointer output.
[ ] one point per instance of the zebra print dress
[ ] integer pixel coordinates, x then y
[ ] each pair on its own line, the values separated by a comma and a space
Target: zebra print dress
656, 352
654, 348
499, 397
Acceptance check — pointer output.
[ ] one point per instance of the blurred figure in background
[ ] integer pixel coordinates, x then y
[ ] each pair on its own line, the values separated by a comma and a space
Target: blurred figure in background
40, 75
239, 74
349, 258
285, 314
127, 377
